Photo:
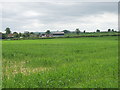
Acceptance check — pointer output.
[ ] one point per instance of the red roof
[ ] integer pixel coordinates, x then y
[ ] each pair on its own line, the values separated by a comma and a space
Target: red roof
10, 35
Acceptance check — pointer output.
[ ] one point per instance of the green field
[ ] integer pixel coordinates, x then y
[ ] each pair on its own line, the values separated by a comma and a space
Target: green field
64, 62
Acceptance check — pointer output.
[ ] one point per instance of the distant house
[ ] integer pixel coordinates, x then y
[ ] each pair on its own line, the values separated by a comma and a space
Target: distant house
43, 35
53, 34
57, 34
46, 35
26, 32
33, 35
21, 37
10, 35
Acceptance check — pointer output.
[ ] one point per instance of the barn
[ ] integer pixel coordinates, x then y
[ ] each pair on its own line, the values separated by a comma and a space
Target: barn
58, 34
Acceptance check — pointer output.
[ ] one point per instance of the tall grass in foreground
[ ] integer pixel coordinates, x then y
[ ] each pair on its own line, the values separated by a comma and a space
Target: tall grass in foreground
67, 62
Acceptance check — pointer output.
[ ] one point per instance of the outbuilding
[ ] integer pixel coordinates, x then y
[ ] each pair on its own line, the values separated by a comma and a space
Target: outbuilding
58, 34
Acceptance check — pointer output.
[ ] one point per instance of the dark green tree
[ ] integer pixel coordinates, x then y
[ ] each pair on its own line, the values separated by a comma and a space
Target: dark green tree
23, 35
31, 33
77, 31
20, 34
97, 30
66, 31
7, 30
27, 34
16, 34
48, 32
4, 36
38, 35
113, 30
109, 30
84, 31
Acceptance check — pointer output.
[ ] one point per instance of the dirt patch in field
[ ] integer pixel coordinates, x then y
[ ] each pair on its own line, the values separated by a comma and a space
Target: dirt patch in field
27, 71
15, 68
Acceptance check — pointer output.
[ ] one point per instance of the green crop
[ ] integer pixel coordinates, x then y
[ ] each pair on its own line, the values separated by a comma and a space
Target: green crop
61, 63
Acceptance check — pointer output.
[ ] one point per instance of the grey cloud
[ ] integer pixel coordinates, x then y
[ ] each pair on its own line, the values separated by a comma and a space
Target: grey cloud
52, 12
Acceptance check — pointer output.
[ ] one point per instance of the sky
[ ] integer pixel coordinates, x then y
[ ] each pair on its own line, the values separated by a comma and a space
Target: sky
58, 16
59, 0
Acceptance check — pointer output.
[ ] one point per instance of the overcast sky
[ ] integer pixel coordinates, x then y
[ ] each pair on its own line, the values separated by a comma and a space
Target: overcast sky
42, 16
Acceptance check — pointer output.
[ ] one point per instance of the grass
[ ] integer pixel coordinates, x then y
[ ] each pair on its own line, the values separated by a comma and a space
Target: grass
61, 63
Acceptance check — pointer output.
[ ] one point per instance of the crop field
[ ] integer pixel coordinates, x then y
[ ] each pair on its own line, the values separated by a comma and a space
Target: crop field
61, 63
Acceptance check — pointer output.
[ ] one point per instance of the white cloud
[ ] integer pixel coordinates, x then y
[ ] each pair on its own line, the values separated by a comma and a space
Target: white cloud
101, 18
32, 14
59, 16
33, 26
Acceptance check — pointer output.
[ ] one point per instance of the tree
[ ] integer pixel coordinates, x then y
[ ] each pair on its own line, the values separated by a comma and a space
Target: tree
26, 34
97, 30
7, 30
66, 31
112, 30
4, 36
84, 31
20, 34
15, 34
23, 35
48, 32
31, 33
109, 30
38, 35
77, 31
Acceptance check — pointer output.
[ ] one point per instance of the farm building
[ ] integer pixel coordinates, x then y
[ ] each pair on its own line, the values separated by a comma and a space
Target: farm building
57, 34
43, 35
53, 34
46, 35
26, 32
10, 35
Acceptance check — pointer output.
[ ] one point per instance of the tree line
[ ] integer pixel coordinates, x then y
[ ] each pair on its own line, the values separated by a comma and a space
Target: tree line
32, 34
